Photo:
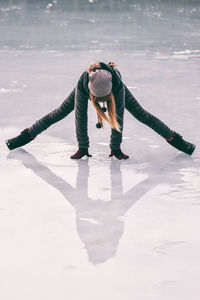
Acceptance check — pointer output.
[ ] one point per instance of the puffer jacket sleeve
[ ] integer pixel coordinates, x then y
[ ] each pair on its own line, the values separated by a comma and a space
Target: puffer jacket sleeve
81, 111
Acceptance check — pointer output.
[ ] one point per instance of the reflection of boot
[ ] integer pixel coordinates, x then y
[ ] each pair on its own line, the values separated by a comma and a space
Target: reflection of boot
20, 140
179, 143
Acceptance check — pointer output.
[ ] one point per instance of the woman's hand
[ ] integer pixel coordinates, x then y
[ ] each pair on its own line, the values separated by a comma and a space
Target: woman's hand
118, 154
80, 153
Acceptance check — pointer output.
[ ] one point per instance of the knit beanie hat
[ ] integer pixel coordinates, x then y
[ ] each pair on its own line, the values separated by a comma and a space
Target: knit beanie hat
100, 83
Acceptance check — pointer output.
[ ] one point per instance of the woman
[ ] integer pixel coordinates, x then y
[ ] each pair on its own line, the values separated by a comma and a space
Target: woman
102, 84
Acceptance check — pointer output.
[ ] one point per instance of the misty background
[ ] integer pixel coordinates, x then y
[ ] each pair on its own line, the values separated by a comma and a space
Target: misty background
124, 25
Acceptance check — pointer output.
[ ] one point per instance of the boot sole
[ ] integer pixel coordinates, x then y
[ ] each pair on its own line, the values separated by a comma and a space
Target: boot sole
8, 145
192, 149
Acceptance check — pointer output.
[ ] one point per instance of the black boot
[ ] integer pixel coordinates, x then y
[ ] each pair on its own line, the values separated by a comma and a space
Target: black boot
179, 143
20, 140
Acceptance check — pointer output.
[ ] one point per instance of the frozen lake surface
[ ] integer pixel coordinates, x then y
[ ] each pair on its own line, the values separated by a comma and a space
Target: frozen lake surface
99, 228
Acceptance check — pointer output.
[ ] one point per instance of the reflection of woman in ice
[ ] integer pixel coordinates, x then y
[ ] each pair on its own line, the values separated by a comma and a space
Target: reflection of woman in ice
103, 85
100, 224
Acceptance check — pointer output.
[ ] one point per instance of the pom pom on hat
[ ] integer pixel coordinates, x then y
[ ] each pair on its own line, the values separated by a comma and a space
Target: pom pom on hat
100, 83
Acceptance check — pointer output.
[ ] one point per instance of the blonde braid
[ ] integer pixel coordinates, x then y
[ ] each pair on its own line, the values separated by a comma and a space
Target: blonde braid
112, 64
92, 66
110, 103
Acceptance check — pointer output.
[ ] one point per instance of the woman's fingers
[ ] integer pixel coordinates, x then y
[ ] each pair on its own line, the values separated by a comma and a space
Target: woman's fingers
118, 154
80, 153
